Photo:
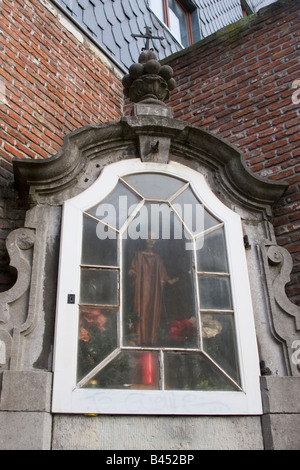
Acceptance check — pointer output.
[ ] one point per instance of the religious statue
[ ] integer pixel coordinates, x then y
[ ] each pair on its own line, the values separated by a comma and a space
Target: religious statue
150, 276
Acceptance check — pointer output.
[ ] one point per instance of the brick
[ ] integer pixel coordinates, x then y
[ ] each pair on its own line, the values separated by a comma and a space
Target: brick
12, 151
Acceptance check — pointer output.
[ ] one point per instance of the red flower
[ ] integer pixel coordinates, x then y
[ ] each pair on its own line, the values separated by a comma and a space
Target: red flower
93, 317
181, 330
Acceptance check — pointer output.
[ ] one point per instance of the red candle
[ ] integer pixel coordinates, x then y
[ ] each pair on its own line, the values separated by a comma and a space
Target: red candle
148, 369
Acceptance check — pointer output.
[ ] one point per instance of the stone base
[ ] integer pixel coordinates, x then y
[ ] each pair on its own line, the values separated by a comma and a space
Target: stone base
25, 430
281, 420
281, 432
74, 432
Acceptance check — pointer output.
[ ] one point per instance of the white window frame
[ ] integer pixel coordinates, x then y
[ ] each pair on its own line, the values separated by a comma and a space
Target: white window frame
69, 399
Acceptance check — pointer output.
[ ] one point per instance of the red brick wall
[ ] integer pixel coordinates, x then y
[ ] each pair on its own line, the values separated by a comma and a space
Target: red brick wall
50, 84
238, 84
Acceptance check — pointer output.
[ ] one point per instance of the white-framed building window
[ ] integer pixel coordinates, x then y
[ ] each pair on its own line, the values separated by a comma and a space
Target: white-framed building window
154, 310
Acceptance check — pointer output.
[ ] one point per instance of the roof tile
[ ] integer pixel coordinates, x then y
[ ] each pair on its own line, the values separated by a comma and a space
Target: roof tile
118, 10
127, 8
109, 12
89, 20
99, 15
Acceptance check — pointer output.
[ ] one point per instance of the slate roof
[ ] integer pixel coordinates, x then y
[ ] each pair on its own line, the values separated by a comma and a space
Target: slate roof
111, 23
215, 14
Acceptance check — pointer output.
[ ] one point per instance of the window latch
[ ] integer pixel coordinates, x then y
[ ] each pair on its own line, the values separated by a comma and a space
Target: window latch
71, 298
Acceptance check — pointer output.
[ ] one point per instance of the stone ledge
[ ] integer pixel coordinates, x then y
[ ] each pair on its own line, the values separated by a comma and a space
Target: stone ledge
281, 431
25, 431
77, 432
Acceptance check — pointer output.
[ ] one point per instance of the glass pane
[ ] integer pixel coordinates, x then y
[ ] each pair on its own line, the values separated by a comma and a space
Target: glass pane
97, 251
129, 370
193, 213
211, 252
218, 333
157, 7
178, 23
99, 286
214, 293
97, 337
116, 208
158, 288
154, 186
192, 371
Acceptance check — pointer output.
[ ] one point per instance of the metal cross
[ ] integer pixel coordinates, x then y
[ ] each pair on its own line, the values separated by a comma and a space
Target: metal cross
147, 36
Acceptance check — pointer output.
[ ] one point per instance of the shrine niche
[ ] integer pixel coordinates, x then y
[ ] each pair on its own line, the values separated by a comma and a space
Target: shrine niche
150, 266
199, 325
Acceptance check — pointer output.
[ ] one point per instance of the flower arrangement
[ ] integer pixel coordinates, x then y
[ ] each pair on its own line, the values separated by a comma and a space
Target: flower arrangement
210, 327
91, 318
182, 331
96, 338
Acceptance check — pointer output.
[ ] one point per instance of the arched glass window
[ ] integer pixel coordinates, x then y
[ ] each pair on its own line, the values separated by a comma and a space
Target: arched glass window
160, 318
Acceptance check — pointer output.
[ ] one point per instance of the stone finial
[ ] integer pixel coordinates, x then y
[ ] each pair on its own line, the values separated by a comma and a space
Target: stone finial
148, 81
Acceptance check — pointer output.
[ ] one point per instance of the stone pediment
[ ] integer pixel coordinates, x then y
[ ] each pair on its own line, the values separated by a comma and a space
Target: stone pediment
151, 137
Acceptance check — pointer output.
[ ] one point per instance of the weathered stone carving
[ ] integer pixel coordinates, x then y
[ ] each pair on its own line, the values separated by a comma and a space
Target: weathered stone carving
285, 314
278, 255
52, 180
148, 81
14, 302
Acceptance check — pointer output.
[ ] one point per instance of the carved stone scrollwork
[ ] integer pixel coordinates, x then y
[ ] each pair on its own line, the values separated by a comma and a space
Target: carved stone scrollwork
286, 315
279, 255
19, 246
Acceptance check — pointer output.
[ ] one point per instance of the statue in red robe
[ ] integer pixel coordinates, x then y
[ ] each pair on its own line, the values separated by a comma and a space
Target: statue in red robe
150, 276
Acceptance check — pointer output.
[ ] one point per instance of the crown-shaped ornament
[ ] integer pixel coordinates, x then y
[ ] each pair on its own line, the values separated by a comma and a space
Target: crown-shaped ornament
148, 81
